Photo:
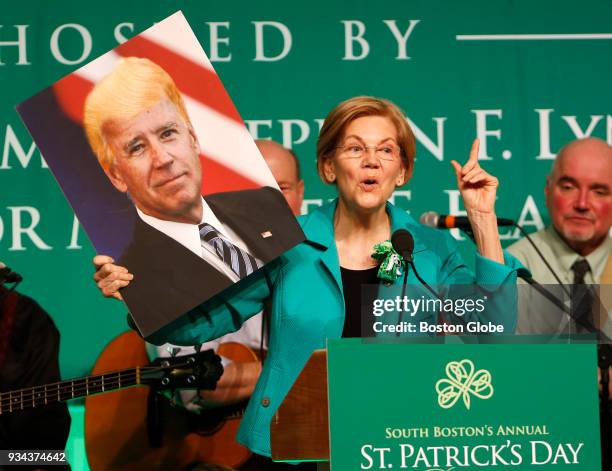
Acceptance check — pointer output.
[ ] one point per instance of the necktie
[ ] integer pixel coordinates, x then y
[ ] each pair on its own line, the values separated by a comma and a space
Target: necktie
239, 261
582, 297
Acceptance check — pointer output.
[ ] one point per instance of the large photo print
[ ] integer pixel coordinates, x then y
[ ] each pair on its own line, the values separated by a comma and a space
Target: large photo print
161, 172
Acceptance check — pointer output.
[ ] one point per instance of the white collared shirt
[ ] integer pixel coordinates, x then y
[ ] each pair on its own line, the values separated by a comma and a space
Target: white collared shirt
188, 235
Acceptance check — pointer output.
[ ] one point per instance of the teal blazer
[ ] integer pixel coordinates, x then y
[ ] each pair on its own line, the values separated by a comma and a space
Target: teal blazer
307, 306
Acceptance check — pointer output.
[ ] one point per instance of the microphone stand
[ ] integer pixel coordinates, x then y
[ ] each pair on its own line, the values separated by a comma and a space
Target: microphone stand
406, 262
557, 302
424, 283
437, 295
544, 292
604, 357
604, 361
542, 257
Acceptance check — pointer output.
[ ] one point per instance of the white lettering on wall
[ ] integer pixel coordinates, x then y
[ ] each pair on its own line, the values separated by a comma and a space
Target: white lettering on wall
353, 35
20, 230
119, 37
454, 208
310, 204
572, 122
482, 132
544, 125
530, 216
288, 125
74, 236
215, 40
400, 194
319, 122
253, 126
401, 38
437, 149
12, 143
259, 40
85, 37
20, 43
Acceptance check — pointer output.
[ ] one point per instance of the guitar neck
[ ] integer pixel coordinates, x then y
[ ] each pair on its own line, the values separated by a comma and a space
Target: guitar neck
71, 389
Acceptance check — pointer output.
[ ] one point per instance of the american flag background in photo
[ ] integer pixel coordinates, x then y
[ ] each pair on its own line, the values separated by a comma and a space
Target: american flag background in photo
230, 159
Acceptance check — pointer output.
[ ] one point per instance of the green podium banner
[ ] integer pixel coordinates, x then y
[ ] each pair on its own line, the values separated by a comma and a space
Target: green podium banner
434, 407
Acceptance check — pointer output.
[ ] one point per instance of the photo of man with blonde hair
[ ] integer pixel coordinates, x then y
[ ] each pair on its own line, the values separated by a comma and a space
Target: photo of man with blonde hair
185, 248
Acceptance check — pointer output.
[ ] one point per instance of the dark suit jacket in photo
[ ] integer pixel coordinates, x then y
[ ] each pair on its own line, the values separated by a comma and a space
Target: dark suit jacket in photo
170, 280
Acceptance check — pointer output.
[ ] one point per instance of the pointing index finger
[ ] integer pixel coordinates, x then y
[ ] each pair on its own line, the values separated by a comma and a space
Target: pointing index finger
474, 151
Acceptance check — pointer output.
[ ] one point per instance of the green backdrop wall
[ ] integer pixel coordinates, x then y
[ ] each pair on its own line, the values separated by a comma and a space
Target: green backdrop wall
525, 76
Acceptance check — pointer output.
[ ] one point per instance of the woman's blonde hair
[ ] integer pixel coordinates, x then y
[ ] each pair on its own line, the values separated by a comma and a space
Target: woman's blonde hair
346, 112
133, 86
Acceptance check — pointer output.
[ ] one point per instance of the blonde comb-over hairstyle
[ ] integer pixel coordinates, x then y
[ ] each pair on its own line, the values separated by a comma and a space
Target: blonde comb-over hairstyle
133, 86
341, 116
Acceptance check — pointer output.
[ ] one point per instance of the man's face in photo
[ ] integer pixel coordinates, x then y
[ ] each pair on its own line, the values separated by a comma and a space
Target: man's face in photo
156, 160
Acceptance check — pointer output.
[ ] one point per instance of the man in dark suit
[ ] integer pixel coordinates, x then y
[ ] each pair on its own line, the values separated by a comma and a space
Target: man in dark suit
185, 248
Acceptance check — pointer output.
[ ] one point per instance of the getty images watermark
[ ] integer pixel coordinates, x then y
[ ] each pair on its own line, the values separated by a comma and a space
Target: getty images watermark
458, 310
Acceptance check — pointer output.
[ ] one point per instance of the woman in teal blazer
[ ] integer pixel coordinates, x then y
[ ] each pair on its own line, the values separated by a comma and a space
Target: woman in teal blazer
308, 306
366, 149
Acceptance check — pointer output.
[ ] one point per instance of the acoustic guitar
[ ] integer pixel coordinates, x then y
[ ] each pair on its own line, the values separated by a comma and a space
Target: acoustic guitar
118, 425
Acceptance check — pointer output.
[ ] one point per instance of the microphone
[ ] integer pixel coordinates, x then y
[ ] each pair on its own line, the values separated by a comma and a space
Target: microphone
403, 244
9, 276
445, 221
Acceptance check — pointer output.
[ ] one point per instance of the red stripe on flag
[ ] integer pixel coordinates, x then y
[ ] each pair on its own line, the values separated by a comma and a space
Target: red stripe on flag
217, 178
192, 79
71, 92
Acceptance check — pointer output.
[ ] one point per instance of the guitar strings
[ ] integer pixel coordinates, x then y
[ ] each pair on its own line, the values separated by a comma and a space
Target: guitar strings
17, 399
143, 369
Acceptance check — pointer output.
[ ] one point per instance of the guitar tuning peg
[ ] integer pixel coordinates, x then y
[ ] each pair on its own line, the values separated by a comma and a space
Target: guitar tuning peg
173, 351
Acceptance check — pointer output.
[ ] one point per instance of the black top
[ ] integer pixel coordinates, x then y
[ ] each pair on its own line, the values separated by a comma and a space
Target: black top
358, 315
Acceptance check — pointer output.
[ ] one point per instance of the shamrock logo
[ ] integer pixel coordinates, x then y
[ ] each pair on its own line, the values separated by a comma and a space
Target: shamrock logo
462, 382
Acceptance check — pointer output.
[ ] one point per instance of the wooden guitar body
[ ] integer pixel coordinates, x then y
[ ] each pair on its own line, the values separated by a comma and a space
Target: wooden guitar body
116, 436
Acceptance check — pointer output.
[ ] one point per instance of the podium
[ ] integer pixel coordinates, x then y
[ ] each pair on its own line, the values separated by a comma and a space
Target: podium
390, 404
300, 428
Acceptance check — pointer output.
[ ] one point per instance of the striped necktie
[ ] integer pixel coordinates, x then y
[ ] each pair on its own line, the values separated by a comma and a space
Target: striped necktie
239, 261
